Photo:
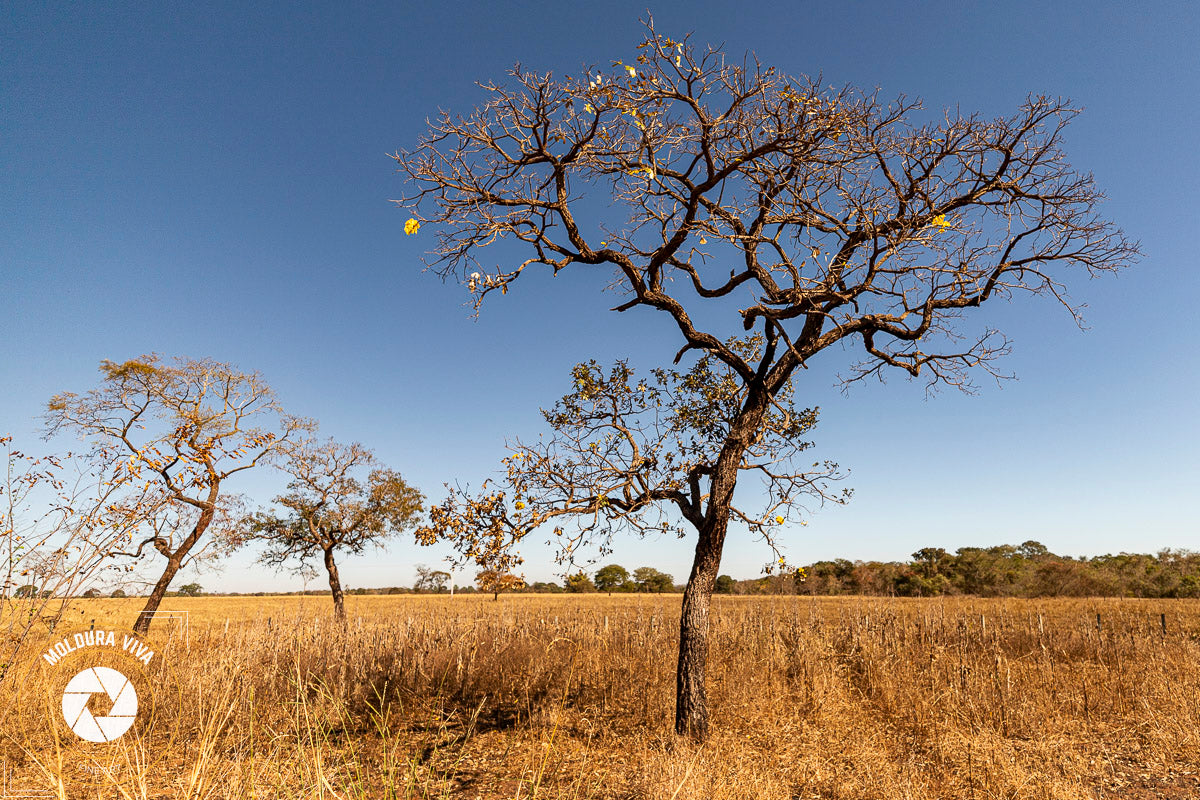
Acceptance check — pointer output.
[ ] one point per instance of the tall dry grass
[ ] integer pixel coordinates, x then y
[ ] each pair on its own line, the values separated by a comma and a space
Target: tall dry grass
541, 696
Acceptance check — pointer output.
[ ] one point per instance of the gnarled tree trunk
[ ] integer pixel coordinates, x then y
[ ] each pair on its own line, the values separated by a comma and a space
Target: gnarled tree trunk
174, 562
691, 698
335, 586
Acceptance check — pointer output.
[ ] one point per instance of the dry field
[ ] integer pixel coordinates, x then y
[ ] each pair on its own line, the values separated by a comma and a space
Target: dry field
548, 696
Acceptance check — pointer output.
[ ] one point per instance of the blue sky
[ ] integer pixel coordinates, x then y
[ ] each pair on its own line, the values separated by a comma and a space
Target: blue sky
212, 180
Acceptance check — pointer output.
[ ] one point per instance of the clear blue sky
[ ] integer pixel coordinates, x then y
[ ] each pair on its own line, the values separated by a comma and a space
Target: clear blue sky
212, 180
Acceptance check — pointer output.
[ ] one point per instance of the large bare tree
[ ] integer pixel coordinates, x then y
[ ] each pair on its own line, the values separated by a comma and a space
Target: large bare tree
812, 216
332, 506
177, 430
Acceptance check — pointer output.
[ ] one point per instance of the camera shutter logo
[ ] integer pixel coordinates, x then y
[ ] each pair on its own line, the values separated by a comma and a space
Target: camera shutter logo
96, 680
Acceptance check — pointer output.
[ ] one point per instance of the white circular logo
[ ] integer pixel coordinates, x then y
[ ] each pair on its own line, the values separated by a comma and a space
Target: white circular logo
119, 690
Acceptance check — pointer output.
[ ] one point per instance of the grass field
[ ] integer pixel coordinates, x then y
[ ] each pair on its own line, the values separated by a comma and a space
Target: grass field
549, 696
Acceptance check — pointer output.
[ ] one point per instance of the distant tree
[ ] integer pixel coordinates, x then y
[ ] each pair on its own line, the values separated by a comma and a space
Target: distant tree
1032, 549
118, 593
613, 578
340, 500
799, 578
494, 581
579, 583
91, 594
546, 587
929, 560
818, 218
27, 591
724, 585
191, 590
431, 580
648, 579
185, 427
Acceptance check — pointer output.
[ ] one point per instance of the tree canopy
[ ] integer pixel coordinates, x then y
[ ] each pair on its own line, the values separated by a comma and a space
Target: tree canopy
176, 431
768, 218
339, 499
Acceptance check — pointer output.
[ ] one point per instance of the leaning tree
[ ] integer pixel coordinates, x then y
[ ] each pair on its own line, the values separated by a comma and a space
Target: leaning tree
176, 431
340, 499
812, 216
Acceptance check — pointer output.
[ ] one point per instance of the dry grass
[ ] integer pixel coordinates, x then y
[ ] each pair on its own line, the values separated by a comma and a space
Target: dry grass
571, 697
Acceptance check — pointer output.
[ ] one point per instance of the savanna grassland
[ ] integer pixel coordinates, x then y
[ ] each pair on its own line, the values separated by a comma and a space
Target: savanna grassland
569, 696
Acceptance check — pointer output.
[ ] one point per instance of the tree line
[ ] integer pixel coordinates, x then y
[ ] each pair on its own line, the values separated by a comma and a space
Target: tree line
1025, 570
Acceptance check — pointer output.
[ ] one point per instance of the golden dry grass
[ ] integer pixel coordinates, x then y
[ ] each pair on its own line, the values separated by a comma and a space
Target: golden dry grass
540, 696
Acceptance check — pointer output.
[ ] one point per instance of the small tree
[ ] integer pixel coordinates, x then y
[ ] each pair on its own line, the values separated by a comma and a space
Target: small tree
431, 580
340, 499
495, 581
817, 218
579, 583
648, 579
118, 593
612, 578
182, 430
62, 518
191, 590
724, 584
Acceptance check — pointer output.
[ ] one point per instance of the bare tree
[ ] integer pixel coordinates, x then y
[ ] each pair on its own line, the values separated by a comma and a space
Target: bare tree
178, 430
331, 508
431, 580
813, 216
61, 521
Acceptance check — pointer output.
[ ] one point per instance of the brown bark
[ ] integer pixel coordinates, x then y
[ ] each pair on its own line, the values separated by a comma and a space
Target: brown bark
691, 697
174, 562
335, 586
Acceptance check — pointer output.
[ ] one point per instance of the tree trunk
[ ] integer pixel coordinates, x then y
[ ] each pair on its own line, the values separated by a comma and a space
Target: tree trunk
160, 590
691, 699
174, 562
335, 586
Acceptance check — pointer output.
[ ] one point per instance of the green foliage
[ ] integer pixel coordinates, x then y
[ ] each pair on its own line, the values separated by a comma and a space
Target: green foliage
724, 585
118, 593
431, 580
1028, 570
191, 590
613, 578
579, 583
648, 579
